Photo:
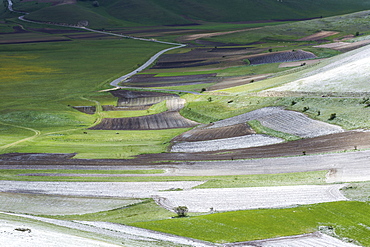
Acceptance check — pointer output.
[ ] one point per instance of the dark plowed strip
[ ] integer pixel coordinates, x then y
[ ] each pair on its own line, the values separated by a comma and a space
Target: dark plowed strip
278, 57
144, 101
86, 109
139, 94
201, 134
127, 108
165, 120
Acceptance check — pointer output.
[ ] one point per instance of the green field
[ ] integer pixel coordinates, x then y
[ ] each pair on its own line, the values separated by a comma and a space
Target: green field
348, 219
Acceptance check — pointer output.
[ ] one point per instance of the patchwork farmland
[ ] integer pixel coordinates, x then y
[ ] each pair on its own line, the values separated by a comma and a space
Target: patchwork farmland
218, 131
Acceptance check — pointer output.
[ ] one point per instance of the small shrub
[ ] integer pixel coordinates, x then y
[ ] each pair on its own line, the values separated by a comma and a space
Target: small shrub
332, 116
209, 99
181, 211
306, 108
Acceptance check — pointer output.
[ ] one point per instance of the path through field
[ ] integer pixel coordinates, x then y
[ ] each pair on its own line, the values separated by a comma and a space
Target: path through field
37, 133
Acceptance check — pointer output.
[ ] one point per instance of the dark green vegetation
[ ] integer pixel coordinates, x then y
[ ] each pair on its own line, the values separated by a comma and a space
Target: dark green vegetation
164, 12
347, 219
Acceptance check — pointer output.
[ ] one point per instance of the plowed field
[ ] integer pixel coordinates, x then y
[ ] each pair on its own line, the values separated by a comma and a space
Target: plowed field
279, 57
291, 122
165, 120
202, 134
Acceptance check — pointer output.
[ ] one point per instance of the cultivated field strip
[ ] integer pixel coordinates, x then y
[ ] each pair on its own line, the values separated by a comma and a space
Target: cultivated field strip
291, 122
203, 134
147, 233
175, 104
94, 189
58, 205
129, 102
227, 199
164, 120
246, 141
316, 239
279, 57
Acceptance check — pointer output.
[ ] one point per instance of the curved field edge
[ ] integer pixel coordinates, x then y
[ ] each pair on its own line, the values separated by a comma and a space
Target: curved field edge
348, 219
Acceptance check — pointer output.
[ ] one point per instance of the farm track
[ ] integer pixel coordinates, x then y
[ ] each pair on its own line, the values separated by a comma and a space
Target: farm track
37, 133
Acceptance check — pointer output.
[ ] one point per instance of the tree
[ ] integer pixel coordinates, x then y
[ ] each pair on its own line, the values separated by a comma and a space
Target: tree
181, 211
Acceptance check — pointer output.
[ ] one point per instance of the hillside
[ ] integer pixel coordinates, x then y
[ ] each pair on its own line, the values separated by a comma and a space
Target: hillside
166, 12
348, 72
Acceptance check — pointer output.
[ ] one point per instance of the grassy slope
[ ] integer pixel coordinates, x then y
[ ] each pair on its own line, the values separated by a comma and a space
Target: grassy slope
349, 219
69, 70
165, 12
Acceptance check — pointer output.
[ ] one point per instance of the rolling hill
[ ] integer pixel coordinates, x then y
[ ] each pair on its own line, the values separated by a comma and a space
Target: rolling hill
167, 12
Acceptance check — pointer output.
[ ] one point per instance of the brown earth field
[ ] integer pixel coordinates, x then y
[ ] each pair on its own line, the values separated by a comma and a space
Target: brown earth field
324, 144
164, 120
279, 57
206, 56
149, 80
127, 98
86, 109
203, 134
237, 81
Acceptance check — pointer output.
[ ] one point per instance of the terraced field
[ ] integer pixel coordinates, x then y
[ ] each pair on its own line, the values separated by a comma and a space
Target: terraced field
165, 120
291, 122
279, 57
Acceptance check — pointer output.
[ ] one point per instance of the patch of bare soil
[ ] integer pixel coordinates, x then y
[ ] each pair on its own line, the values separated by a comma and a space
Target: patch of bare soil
237, 81
127, 98
318, 36
278, 57
122, 108
165, 120
17, 39
86, 109
202, 134
34, 156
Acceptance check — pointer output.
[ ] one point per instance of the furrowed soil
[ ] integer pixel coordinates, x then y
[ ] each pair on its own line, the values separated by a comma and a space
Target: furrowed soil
165, 120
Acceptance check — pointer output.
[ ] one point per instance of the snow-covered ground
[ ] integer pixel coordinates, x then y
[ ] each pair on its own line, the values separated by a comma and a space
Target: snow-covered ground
346, 73
227, 199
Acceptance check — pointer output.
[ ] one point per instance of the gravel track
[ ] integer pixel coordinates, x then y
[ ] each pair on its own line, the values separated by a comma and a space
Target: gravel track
228, 199
316, 239
253, 140
277, 118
